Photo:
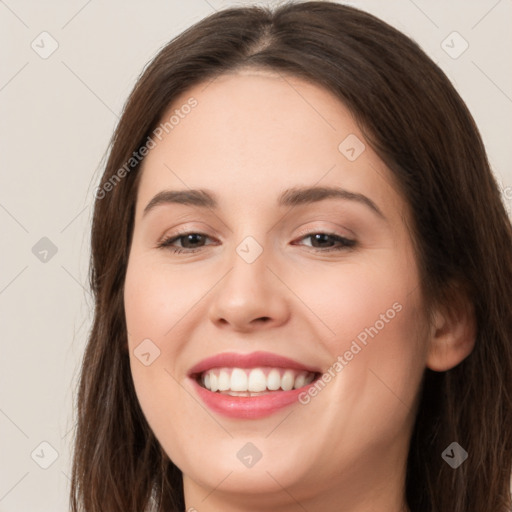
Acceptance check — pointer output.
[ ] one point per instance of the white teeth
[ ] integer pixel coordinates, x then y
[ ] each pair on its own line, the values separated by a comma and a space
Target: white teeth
224, 381
241, 381
287, 380
274, 380
257, 381
300, 380
238, 380
214, 382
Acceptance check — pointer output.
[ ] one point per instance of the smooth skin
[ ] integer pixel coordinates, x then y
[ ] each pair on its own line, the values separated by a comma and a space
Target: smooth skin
252, 135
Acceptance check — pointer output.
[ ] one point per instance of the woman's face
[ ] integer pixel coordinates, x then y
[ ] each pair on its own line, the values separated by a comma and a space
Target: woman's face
276, 269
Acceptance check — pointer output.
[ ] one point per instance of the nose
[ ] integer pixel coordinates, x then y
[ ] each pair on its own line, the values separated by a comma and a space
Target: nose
250, 296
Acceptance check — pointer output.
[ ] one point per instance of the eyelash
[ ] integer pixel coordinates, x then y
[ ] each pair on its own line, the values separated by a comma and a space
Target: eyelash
346, 242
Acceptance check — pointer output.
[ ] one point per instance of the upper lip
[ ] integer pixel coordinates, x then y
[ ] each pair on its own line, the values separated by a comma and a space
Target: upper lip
251, 360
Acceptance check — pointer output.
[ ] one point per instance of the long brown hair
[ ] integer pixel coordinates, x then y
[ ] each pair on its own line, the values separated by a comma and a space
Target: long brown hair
419, 126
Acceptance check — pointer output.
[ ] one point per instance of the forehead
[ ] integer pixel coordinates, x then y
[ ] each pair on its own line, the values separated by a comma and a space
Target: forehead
253, 133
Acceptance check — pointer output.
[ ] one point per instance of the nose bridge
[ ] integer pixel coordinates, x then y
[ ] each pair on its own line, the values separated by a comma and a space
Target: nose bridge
249, 290
248, 265
251, 243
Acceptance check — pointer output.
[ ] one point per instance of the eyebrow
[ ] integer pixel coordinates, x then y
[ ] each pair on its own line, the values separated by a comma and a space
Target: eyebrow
291, 197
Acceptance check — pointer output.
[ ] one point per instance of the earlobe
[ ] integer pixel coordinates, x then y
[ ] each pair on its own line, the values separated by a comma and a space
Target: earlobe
452, 336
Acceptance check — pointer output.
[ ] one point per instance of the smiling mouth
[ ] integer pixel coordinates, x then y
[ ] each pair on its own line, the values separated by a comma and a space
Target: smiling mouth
256, 381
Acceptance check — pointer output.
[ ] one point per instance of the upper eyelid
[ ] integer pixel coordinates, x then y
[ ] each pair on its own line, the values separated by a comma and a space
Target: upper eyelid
302, 234
314, 229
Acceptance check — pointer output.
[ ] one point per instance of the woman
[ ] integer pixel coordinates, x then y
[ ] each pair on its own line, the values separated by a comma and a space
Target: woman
301, 265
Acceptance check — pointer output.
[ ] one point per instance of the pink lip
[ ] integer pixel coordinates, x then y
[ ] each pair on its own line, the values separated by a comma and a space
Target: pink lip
248, 407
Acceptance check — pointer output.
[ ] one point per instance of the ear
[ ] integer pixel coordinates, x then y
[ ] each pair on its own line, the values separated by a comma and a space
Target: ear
453, 332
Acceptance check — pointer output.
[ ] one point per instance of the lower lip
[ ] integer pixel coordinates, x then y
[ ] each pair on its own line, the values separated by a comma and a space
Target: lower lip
249, 407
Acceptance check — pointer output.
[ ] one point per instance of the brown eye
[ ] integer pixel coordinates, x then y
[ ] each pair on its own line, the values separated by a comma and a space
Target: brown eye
188, 241
322, 242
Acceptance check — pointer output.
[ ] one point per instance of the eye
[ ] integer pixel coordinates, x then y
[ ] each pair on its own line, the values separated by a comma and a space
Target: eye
323, 237
190, 237
194, 238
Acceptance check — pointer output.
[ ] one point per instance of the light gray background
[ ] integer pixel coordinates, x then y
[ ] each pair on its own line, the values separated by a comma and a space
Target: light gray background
57, 116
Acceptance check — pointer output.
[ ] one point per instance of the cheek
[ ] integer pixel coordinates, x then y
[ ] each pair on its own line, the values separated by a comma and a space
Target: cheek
368, 318
159, 307
348, 299
155, 300
151, 311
